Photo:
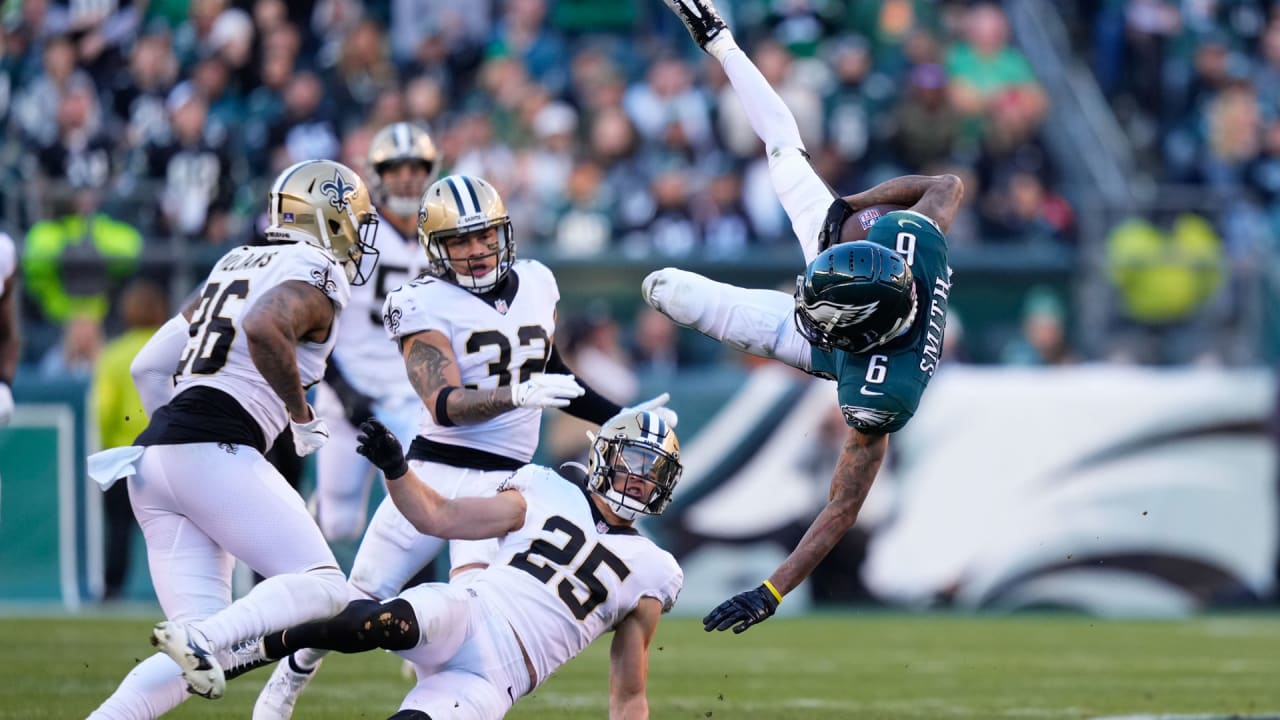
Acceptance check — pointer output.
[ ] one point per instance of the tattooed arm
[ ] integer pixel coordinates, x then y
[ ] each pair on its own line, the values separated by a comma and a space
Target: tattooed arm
433, 371
289, 312
855, 471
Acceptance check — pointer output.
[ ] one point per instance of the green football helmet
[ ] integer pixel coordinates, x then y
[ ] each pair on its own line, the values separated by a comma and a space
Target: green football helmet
854, 297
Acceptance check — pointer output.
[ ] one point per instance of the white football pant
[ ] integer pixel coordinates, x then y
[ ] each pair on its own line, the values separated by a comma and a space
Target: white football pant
467, 660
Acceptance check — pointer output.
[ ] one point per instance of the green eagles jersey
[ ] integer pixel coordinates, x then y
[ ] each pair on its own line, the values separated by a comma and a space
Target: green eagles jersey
879, 390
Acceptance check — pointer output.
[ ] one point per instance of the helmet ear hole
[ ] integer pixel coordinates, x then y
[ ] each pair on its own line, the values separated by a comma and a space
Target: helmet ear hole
334, 227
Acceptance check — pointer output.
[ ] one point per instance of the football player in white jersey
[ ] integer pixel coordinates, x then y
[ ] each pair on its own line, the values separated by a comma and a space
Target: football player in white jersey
476, 335
236, 363
570, 567
366, 377
9, 337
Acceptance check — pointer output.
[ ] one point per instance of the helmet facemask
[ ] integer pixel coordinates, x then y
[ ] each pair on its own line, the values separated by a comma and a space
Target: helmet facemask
358, 255
635, 464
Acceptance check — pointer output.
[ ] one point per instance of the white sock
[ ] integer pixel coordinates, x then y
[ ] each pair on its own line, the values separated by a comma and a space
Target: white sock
769, 116
275, 604
721, 45
308, 658
154, 687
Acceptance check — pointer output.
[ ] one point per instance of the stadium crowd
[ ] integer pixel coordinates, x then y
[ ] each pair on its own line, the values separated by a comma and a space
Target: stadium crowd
151, 128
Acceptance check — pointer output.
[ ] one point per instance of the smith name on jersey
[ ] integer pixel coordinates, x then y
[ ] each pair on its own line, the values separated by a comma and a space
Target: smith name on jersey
217, 354
567, 576
498, 338
879, 390
367, 360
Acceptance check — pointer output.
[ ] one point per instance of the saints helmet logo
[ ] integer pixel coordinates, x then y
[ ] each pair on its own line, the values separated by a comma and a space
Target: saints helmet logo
829, 315
865, 418
337, 190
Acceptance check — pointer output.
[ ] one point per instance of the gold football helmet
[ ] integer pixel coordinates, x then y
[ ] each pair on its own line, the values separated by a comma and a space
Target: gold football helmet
393, 145
457, 206
635, 463
326, 204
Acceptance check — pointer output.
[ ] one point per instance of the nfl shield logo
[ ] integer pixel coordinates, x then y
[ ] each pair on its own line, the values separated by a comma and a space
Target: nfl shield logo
288, 217
500, 305
602, 527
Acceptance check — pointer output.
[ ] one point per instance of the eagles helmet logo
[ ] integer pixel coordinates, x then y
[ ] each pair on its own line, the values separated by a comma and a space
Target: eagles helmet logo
867, 418
830, 315
337, 190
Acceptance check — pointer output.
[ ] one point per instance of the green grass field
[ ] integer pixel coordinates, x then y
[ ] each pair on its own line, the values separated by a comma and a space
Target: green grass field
826, 666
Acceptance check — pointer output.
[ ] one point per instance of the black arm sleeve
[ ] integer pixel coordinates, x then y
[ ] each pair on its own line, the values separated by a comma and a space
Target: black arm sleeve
592, 406
357, 406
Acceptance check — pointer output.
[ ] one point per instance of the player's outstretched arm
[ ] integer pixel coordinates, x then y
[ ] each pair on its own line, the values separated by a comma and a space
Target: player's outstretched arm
856, 469
433, 372
935, 196
629, 661
468, 518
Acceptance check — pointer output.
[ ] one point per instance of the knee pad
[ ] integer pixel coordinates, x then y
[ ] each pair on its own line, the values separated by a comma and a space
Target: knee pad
410, 715
368, 624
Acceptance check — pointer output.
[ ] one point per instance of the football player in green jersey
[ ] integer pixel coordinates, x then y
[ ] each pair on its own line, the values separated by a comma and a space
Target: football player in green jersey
869, 314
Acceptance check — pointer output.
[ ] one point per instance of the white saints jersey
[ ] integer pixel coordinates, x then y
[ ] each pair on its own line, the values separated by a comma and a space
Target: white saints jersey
217, 354
566, 576
371, 363
498, 339
8, 260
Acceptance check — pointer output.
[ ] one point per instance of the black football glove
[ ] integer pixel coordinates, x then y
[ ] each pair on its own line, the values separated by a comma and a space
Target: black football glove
742, 610
382, 448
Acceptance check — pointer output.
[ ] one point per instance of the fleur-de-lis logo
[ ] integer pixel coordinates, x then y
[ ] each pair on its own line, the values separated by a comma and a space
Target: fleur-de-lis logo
337, 190
391, 319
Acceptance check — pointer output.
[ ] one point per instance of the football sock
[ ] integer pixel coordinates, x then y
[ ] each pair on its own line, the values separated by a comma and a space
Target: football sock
363, 625
274, 604
152, 688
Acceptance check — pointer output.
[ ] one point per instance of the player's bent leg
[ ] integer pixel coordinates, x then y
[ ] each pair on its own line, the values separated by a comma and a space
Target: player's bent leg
410, 715
252, 513
805, 196
458, 695
757, 322
153, 687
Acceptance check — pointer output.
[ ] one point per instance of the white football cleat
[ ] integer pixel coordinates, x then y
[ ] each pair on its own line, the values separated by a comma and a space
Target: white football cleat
281, 692
200, 668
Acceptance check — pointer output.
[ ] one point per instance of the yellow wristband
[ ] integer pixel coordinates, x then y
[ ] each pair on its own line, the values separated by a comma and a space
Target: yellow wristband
776, 595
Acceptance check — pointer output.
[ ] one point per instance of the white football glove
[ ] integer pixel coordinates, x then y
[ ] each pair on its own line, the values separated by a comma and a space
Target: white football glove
309, 437
6, 403
658, 406
546, 390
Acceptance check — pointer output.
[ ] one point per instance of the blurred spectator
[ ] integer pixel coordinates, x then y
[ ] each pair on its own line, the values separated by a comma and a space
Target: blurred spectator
362, 72
584, 226
671, 230
305, 130
523, 34
1164, 281
78, 153
655, 352
856, 108
665, 97
41, 98
120, 417
189, 169
988, 76
138, 92
1024, 211
926, 125
726, 230
1044, 335
77, 354
72, 262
